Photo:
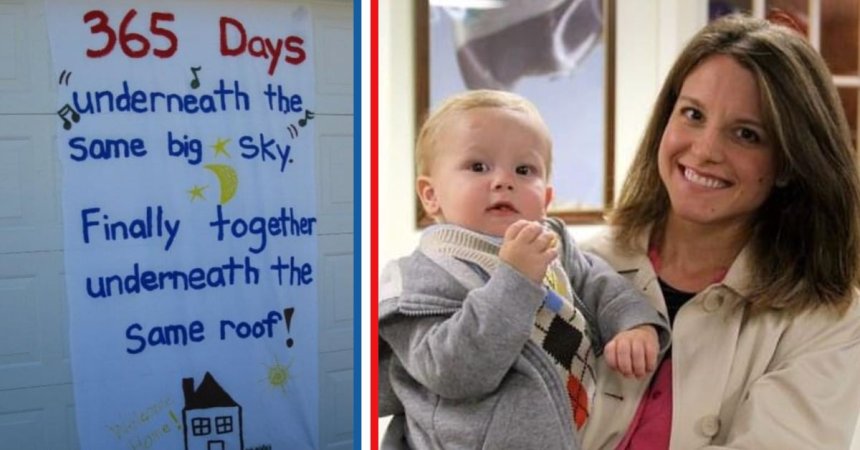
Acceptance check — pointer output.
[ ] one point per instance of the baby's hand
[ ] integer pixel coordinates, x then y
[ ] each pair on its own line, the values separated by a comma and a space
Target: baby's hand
633, 353
529, 248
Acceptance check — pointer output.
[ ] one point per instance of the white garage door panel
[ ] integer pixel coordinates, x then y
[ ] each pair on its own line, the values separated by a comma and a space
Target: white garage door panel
336, 399
335, 293
29, 197
33, 328
335, 175
38, 419
334, 169
333, 45
25, 73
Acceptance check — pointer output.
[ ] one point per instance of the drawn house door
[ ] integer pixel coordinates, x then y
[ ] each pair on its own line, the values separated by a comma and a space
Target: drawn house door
37, 409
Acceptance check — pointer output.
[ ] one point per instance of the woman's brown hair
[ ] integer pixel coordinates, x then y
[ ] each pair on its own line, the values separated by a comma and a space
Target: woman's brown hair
805, 236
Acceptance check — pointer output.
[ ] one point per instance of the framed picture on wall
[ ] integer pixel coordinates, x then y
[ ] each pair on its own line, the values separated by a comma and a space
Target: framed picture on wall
557, 53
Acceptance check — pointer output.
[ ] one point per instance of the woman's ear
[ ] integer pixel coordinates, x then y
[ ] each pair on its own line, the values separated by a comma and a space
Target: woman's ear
427, 195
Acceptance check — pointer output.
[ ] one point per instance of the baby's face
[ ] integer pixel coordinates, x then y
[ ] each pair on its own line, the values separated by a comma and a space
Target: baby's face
489, 170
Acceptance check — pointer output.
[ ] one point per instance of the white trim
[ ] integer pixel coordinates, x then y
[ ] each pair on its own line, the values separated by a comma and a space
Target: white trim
846, 81
758, 8
815, 23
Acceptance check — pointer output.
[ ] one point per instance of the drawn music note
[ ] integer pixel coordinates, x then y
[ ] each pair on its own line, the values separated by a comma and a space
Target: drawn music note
309, 115
195, 83
66, 110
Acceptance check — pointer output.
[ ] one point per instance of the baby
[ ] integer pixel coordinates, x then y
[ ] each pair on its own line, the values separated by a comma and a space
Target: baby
489, 330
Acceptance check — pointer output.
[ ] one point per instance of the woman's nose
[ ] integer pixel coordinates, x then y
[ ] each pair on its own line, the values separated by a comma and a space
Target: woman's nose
708, 146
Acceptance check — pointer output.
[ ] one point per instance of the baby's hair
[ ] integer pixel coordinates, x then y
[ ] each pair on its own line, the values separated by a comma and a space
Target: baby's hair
465, 101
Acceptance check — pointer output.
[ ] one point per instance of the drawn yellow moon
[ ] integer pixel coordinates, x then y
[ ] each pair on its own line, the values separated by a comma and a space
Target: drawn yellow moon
227, 178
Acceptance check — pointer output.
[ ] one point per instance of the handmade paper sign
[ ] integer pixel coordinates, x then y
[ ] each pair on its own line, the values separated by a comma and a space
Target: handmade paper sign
185, 137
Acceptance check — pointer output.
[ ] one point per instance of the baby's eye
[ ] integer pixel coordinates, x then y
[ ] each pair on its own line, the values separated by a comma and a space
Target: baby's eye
748, 135
478, 167
525, 170
692, 114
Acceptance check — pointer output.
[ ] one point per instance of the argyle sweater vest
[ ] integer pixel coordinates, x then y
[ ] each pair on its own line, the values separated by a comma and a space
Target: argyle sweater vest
560, 329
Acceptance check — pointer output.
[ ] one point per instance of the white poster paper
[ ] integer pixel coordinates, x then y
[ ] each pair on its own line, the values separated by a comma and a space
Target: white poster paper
185, 136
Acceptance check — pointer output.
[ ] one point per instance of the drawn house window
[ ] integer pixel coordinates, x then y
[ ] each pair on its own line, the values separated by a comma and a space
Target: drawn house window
207, 404
224, 424
200, 426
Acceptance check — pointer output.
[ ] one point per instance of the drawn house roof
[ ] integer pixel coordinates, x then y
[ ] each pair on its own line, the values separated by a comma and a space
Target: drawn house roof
208, 395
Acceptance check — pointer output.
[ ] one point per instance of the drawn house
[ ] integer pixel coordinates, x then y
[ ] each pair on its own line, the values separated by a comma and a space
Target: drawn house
211, 419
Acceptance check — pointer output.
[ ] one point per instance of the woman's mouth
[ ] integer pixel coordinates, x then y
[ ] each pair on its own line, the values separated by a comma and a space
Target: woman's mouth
702, 180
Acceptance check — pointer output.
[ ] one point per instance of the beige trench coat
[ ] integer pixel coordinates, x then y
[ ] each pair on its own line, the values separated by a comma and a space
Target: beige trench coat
769, 382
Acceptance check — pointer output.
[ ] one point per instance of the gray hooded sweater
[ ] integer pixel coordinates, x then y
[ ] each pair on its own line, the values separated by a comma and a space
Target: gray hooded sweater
457, 369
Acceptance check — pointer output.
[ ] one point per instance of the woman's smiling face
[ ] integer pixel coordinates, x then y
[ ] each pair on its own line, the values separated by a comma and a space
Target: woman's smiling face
715, 158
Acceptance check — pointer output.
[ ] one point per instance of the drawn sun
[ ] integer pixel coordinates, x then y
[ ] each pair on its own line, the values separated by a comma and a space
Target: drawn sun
279, 375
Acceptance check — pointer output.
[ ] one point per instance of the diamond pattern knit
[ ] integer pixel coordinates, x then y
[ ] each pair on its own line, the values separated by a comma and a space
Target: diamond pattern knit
560, 329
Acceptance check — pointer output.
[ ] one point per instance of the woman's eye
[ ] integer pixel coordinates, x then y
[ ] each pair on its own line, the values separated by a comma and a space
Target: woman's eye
478, 167
748, 135
691, 113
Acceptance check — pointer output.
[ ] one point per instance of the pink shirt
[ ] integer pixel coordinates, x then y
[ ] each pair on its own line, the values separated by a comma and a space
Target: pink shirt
652, 425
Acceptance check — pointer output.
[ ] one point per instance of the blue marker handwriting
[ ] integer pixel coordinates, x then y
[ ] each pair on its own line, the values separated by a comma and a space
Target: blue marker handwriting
281, 101
197, 278
194, 332
152, 224
265, 149
126, 99
105, 148
233, 272
284, 223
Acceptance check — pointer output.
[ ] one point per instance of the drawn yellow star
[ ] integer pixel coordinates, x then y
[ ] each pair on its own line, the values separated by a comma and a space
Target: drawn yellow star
219, 146
197, 192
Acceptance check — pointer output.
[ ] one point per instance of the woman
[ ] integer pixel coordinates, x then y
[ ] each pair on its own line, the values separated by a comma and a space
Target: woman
739, 219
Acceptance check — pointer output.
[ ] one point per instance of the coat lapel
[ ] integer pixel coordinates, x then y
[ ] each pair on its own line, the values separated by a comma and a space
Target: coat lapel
705, 340
703, 349
618, 397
